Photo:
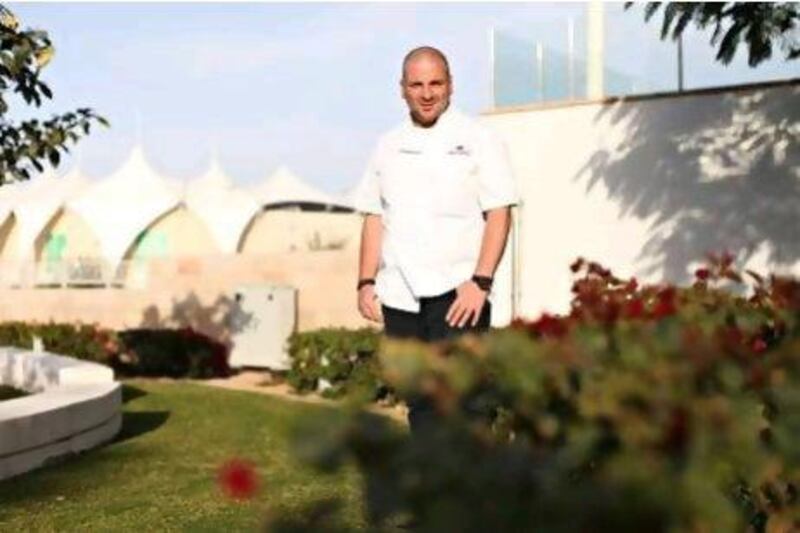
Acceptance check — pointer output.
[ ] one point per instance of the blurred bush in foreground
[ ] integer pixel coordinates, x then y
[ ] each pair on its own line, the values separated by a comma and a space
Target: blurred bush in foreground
651, 408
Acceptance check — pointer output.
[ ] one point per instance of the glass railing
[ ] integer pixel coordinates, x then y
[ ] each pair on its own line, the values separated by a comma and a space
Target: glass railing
551, 63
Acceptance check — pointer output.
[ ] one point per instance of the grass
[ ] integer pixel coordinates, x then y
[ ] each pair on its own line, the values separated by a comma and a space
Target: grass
9, 393
160, 472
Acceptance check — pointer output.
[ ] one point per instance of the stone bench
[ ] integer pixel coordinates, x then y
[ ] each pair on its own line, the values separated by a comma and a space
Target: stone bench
75, 405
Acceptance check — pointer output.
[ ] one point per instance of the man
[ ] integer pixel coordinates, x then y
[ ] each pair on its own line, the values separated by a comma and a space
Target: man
436, 196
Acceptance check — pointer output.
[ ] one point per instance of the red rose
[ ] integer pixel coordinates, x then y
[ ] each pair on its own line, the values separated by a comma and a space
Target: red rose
634, 308
549, 326
759, 345
665, 303
238, 479
702, 274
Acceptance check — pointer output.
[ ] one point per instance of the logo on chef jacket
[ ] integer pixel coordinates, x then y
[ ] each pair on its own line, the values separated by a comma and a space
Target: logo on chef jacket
459, 150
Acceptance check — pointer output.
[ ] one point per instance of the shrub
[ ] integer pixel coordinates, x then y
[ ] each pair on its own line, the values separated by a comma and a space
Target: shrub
82, 341
17, 334
171, 353
648, 408
336, 362
133, 352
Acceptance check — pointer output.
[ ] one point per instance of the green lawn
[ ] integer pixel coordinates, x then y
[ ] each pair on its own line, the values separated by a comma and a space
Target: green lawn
160, 473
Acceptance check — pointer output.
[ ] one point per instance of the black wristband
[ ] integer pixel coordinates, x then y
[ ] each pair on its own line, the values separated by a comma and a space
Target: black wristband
364, 283
484, 283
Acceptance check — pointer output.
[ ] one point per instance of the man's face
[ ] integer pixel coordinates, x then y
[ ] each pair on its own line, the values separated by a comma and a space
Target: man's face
426, 89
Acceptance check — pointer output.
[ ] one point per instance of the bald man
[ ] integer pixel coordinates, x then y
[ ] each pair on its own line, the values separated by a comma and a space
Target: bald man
436, 197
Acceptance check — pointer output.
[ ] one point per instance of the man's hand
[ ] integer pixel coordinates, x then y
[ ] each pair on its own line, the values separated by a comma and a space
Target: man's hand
368, 304
467, 305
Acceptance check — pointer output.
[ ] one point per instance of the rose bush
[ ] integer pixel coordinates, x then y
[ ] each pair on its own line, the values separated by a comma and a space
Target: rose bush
645, 408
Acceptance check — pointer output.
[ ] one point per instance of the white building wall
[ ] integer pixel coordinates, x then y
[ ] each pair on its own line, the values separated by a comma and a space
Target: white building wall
648, 186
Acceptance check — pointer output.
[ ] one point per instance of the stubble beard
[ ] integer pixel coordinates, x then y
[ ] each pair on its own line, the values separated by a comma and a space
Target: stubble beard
417, 119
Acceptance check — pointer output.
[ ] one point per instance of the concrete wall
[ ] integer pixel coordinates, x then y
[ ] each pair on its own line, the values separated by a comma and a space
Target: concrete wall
647, 186
198, 291
315, 252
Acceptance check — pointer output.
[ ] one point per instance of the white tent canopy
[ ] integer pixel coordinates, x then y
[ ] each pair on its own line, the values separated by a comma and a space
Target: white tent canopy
124, 204
285, 187
38, 200
225, 210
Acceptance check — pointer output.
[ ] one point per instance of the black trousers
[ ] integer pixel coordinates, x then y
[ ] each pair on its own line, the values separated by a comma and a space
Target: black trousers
428, 325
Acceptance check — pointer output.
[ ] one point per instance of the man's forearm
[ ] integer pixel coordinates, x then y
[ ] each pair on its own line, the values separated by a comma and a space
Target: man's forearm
495, 235
370, 252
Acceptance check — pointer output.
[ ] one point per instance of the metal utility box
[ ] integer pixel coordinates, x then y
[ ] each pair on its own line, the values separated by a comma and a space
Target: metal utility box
262, 320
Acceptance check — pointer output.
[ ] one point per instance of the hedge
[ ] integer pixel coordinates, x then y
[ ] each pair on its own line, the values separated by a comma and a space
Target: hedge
134, 352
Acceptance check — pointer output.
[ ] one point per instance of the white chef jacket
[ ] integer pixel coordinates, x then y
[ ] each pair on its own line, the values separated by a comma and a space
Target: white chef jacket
431, 187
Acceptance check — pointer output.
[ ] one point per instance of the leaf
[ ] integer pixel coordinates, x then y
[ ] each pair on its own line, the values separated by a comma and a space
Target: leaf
43, 56
650, 10
758, 278
669, 14
684, 19
45, 90
54, 157
8, 19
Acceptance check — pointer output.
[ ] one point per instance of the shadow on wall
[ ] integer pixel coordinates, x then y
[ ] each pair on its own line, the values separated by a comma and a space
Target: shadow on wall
217, 320
715, 172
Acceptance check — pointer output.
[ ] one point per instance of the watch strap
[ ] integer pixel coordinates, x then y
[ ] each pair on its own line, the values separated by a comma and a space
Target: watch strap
484, 283
364, 282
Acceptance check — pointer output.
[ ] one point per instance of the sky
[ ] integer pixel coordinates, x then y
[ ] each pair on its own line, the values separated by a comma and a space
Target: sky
306, 85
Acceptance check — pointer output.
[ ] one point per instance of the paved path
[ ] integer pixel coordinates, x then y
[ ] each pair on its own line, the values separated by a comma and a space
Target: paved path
263, 383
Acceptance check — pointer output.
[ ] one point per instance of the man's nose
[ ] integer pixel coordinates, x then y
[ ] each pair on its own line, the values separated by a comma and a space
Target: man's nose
427, 93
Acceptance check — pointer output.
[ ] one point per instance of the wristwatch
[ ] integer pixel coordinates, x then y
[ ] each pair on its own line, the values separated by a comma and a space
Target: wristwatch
484, 283
364, 282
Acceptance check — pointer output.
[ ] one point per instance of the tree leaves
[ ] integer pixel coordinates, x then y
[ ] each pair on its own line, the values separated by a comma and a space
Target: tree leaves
26, 146
760, 25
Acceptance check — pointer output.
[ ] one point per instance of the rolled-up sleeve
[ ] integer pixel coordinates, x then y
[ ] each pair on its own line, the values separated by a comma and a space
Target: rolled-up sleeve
367, 198
496, 185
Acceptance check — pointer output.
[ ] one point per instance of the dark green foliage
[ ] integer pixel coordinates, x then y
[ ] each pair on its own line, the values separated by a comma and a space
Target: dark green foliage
30, 144
341, 359
758, 25
82, 341
652, 408
17, 334
170, 353
134, 352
